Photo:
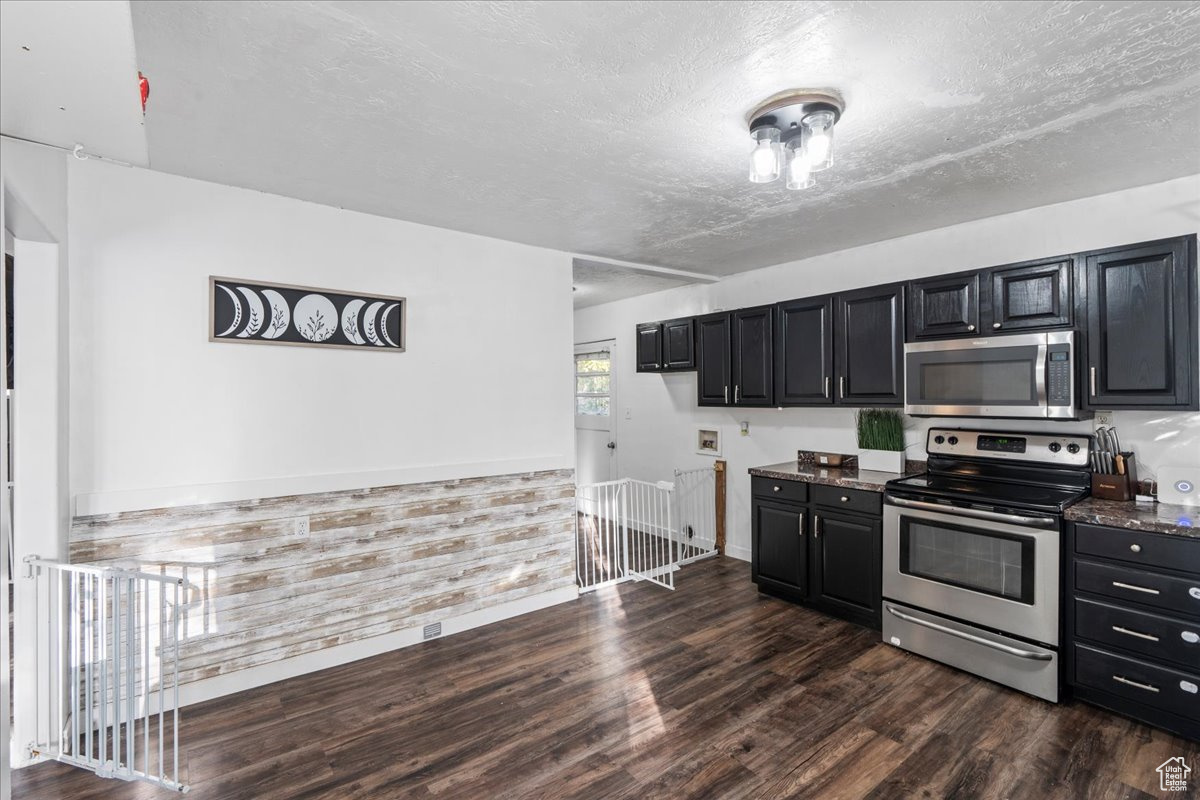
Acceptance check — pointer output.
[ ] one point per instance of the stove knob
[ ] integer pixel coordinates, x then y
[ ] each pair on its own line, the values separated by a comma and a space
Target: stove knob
1055, 447
1072, 448
953, 440
939, 439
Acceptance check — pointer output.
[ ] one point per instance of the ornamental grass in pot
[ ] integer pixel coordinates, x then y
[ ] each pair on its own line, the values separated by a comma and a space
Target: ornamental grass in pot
880, 439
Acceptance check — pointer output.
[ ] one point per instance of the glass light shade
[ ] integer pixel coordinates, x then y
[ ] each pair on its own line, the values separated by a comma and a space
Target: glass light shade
765, 157
798, 171
818, 139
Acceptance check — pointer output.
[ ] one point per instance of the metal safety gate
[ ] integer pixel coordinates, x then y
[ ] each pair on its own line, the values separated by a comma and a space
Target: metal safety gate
108, 656
636, 530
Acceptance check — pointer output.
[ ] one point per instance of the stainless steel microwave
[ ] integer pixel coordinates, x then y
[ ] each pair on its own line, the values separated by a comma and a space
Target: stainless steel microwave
1020, 375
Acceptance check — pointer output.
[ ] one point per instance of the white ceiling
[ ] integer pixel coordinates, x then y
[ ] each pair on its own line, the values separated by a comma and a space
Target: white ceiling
617, 128
596, 282
68, 76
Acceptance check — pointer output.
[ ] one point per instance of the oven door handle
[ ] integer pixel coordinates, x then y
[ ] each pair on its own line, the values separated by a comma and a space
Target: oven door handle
1015, 519
970, 637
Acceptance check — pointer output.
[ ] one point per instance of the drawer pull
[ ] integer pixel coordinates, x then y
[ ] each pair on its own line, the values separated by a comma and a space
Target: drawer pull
1137, 548
845, 499
1147, 687
1131, 587
1191, 637
1127, 632
776, 488
1188, 686
1195, 592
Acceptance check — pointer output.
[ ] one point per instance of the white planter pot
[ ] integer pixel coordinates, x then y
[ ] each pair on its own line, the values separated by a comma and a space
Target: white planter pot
881, 460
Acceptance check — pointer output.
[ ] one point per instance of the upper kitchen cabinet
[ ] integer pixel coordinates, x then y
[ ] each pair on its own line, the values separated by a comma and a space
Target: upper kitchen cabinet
666, 346
1141, 326
1029, 296
753, 366
804, 352
649, 347
944, 306
869, 346
713, 355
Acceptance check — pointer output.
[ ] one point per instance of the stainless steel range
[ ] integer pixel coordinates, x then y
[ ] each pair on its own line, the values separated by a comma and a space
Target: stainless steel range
971, 553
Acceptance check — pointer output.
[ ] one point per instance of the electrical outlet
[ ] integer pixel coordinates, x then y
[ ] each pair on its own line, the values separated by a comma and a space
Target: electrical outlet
302, 526
1104, 418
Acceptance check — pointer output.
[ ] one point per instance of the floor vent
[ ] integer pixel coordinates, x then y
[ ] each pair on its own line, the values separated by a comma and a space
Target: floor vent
433, 631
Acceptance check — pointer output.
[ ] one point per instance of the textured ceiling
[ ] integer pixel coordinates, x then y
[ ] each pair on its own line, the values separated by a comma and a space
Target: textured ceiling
617, 129
596, 282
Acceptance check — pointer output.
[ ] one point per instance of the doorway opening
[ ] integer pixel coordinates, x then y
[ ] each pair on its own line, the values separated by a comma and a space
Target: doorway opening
595, 412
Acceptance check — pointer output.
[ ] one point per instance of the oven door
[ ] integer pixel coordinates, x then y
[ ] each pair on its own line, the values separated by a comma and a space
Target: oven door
1002, 376
998, 574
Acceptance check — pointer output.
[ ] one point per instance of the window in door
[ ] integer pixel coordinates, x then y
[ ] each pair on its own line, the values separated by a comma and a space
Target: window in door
593, 384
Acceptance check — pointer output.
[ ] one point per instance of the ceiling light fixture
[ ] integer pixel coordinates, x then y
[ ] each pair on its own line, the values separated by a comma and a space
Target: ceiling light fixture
793, 136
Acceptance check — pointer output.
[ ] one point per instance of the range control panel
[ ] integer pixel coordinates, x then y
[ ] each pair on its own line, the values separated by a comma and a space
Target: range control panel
1065, 450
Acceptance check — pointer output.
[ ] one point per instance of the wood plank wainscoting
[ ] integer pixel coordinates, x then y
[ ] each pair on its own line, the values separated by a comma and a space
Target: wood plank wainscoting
261, 589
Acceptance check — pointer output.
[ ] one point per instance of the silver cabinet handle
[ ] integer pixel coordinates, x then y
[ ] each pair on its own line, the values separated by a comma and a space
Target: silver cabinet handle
996, 325
1135, 684
776, 488
842, 387
845, 499
726, 394
816, 527
970, 637
1136, 548
1136, 634
970, 327
1092, 380
737, 393
801, 524
1133, 588
826, 386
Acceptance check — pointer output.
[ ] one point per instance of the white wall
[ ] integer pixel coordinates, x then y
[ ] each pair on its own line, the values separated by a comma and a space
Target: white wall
658, 416
162, 416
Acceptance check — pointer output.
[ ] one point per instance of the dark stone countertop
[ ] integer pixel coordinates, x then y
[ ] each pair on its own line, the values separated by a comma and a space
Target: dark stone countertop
1154, 517
847, 478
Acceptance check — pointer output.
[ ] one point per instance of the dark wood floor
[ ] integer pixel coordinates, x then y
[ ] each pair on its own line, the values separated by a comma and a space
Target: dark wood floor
710, 691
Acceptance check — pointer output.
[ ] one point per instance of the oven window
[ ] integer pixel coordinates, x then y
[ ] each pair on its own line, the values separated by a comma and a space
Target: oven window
967, 382
991, 563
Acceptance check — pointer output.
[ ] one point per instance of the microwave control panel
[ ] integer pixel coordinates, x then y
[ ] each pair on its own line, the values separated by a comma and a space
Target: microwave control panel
1058, 374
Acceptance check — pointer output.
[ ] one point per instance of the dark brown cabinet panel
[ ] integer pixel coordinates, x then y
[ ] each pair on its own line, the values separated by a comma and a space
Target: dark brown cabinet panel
753, 367
845, 567
679, 344
869, 342
1031, 296
713, 353
804, 352
1141, 335
944, 306
649, 347
779, 551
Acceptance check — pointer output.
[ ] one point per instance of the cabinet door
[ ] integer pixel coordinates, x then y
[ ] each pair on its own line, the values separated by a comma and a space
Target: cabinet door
869, 340
779, 550
943, 307
679, 344
804, 352
1141, 310
847, 571
713, 351
649, 347
753, 364
1031, 296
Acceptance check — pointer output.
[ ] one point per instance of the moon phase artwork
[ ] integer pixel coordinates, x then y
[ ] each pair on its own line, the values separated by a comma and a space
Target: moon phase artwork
274, 313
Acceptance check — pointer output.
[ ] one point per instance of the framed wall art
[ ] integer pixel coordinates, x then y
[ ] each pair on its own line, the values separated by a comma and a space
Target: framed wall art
256, 312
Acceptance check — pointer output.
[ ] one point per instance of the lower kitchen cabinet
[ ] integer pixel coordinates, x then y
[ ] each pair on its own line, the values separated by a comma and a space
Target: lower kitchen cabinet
1133, 624
827, 558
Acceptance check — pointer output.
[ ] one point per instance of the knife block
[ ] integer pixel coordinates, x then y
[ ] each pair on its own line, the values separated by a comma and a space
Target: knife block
1117, 487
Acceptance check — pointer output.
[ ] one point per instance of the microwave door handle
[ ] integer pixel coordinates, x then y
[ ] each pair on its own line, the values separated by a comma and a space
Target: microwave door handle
1039, 373
1015, 519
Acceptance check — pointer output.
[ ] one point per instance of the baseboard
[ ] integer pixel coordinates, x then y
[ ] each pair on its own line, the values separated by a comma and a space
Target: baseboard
740, 553
240, 681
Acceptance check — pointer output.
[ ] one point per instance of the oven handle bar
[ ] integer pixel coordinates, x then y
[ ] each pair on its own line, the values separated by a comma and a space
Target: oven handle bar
1012, 651
1016, 519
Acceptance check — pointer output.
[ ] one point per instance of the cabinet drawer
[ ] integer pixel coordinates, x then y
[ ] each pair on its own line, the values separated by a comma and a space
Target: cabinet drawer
1149, 549
850, 499
1160, 687
1159, 638
1165, 592
794, 491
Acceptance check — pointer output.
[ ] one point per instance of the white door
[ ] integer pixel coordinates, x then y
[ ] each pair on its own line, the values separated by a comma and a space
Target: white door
595, 410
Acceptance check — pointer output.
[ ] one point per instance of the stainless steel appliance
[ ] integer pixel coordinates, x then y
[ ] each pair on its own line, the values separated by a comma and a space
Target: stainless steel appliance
1022, 375
971, 553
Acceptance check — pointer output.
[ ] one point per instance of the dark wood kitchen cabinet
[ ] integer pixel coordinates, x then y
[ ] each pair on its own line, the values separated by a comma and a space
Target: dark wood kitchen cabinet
1141, 326
869, 346
1031, 296
943, 306
779, 559
734, 358
666, 346
846, 564
804, 352
714, 350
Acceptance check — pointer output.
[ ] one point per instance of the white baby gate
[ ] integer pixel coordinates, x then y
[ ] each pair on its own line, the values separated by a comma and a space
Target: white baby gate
108, 659
636, 530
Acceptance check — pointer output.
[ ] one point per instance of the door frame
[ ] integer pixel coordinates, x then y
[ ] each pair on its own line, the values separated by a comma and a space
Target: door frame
609, 345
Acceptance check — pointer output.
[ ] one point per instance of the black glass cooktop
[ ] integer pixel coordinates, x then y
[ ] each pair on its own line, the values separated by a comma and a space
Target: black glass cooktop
981, 492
